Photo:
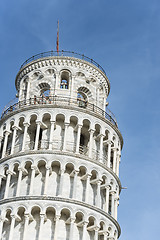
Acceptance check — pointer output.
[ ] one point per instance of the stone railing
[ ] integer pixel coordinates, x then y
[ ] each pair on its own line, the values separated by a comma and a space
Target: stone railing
60, 101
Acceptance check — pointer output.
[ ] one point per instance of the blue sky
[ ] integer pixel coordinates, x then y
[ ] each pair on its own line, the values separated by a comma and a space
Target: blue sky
123, 36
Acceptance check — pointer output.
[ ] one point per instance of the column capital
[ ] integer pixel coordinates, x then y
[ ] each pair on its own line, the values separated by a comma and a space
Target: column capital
33, 167
57, 217
9, 172
16, 128
1, 138
26, 124
107, 187
114, 149
91, 130
96, 228
38, 122
85, 223
7, 132
72, 219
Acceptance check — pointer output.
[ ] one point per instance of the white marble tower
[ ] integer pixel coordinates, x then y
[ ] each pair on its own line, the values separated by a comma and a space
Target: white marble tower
60, 151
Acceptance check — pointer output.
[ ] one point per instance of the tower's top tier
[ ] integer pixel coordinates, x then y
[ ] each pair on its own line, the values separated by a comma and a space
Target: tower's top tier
64, 74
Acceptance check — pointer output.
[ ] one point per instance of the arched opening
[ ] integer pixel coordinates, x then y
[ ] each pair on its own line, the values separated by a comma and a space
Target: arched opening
64, 82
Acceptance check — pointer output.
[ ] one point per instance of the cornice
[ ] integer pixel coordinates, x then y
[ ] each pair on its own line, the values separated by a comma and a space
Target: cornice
65, 200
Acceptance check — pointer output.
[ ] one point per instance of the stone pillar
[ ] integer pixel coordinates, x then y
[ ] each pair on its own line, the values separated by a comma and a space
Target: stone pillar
98, 193
72, 85
78, 138
61, 181
46, 180
101, 148
57, 217
9, 173
14, 138
75, 183
5, 143
90, 143
118, 162
109, 154
71, 229
116, 203
57, 82
96, 233
19, 181
65, 135
84, 235
1, 138
13, 219
107, 199
1, 226
28, 90
33, 168
105, 236
114, 159
112, 204
51, 135
41, 225
1, 177
25, 228
26, 125
37, 135
87, 188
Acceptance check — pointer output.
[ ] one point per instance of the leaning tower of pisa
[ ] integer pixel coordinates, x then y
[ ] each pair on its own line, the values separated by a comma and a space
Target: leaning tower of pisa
60, 150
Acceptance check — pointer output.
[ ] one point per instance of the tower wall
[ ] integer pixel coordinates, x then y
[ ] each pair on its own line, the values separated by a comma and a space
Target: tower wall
60, 155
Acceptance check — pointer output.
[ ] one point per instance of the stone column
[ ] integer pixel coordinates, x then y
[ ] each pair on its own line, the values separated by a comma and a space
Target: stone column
118, 162
19, 181
46, 180
61, 181
109, 154
25, 228
90, 143
33, 168
65, 136
101, 148
107, 199
87, 188
26, 125
37, 135
41, 225
105, 236
78, 138
57, 217
72, 85
71, 228
84, 235
98, 193
57, 82
14, 138
1, 138
13, 219
112, 204
75, 183
51, 135
9, 173
96, 233
5, 143
28, 90
1, 177
116, 203
114, 159
1, 226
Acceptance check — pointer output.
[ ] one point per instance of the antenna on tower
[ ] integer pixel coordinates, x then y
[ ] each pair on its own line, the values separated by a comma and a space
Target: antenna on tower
58, 37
